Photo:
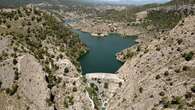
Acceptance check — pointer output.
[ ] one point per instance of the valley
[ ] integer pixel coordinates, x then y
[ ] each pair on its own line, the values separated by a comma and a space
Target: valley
81, 55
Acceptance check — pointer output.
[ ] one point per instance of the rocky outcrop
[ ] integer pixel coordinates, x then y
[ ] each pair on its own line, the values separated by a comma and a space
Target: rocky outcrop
28, 80
31, 84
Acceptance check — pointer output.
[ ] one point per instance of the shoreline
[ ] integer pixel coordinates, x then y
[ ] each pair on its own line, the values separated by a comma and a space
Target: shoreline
115, 54
104, 28
137, 31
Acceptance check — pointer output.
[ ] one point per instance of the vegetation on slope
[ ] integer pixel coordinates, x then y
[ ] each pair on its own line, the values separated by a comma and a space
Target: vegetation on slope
162, 20
92, 90
16, 3
124, 15
41, 35
180, 2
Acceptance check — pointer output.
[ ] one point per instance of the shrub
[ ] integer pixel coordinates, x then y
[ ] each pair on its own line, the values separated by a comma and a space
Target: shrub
141, 89
0, 84
29, 23
51, 80
15, 61
74, 83
120, 84
158, 77
68, 100
193, 89
13, 90
162, 93
16, 77
8, 26
166, 73
14, 55
185, 68
129, 54
1, 58
33, 18
74, 89
179, 41
4, 21
71, 101
66, 70
177, 70
188, 56
188, 95
138, 48
15, 18
158, 48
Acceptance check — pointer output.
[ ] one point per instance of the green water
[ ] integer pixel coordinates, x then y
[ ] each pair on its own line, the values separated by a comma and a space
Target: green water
101, 56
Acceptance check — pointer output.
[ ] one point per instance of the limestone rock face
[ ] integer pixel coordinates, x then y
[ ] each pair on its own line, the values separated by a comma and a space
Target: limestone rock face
32, 84
156, 78
7, 74
31, 88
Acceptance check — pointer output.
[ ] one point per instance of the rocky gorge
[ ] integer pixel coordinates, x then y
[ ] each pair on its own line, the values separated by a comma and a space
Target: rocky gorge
39, 67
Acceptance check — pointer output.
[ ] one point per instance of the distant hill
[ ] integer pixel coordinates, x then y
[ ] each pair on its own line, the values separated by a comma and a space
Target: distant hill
16, 3
181, 2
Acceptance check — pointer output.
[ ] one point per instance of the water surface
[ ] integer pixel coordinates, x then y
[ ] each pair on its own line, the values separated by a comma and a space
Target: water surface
101, 56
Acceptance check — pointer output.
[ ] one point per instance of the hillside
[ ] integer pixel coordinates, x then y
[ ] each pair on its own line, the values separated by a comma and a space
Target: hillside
18, 3
39, 67
181, 2
160, 75
38, 55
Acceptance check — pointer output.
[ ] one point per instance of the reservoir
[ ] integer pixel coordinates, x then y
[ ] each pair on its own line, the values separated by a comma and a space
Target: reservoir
101, 55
